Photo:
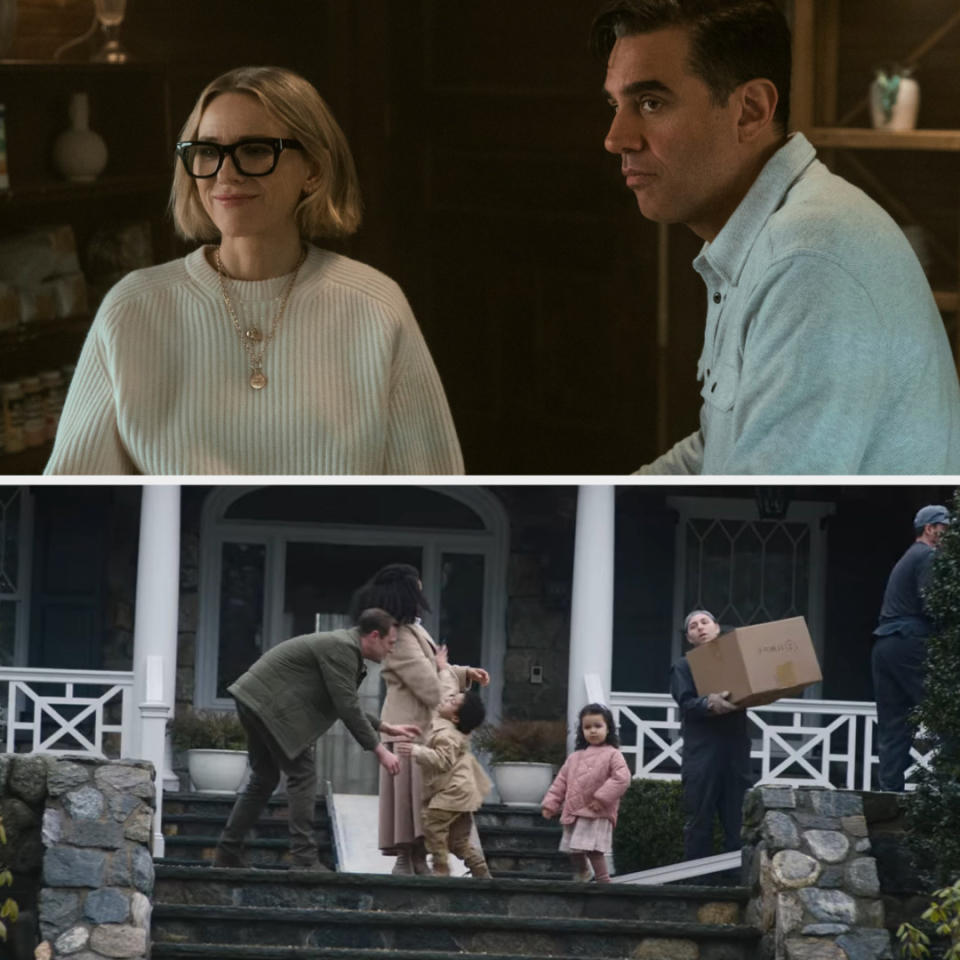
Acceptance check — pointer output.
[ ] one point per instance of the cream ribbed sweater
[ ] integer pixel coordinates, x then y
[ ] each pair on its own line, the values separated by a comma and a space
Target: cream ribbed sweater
161, 386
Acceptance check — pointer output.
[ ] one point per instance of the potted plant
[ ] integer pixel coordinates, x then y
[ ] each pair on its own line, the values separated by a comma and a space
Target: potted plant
524, 755
215, 744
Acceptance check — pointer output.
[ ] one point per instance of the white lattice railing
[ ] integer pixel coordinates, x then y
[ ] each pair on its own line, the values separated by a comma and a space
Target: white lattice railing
67, 711
824, 743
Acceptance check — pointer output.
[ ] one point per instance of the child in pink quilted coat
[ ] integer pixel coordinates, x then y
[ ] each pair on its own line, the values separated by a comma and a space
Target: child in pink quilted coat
587, 792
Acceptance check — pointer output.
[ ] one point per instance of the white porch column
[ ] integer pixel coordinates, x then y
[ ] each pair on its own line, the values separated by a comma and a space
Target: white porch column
591, 613
155, 624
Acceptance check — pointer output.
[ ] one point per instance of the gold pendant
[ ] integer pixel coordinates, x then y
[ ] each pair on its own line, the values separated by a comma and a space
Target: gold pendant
254, 334
258, 380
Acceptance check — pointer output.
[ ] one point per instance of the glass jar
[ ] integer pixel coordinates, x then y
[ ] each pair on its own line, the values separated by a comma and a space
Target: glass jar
34, 421
51, 383
12, 398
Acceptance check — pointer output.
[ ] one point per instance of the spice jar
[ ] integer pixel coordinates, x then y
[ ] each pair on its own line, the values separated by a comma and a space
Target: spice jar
12, 399
51, 383
34, 421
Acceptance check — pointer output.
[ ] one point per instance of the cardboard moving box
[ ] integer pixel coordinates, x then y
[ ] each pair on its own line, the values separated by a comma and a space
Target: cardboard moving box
757, 664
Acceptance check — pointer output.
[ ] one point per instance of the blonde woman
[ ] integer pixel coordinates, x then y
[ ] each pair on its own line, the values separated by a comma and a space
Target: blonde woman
259, 352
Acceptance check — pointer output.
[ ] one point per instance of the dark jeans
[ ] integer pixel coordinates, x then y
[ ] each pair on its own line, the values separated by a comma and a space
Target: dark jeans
898, 662
716, 786
267, 760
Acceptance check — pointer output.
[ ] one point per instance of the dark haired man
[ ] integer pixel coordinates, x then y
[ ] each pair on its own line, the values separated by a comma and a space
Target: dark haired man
824, 351
291, 696
900, 650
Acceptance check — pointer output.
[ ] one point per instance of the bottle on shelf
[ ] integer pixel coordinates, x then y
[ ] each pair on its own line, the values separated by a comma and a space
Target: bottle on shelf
51, 382
34, 420
12, 397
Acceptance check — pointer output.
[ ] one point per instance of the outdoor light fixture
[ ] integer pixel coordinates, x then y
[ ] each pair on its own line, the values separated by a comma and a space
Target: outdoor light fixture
772, 502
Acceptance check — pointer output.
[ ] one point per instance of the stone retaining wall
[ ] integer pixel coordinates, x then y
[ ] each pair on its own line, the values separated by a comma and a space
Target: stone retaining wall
97, 871
816, 893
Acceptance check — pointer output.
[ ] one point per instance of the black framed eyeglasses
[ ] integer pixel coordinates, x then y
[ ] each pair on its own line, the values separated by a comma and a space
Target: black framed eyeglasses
252, 156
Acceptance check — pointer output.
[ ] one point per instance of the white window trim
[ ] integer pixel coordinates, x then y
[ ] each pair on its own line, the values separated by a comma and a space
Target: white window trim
810, 512
493, 543
21, 596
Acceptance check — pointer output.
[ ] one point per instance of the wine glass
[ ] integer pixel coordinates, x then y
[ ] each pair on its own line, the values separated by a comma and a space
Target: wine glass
110, 14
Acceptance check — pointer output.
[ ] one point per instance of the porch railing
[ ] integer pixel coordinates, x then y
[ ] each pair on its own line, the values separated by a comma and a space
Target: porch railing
67, 711
800, 743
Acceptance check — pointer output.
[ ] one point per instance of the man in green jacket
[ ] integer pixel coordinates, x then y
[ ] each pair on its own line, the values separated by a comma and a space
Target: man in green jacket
291, 696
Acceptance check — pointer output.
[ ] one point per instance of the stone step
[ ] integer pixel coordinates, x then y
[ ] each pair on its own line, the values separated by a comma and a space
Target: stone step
473, 934
210, 825
211, 886
517, 841
220, 805
206, 951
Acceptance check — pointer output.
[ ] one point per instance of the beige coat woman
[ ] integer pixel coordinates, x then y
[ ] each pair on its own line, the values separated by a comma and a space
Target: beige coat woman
417, 680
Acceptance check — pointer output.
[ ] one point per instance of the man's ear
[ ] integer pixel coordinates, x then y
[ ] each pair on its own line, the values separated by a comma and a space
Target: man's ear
758, 101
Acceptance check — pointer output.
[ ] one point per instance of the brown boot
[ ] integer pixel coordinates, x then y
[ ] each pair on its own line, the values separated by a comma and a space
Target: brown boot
225, 857
418, 859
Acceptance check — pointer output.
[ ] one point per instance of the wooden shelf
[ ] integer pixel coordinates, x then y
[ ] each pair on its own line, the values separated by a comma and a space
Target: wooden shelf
947, 300
58, 191
28, 333
80, 66
29, 462
861, 138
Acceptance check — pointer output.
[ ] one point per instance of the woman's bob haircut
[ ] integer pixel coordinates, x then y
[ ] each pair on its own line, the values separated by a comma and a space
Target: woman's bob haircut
334, 208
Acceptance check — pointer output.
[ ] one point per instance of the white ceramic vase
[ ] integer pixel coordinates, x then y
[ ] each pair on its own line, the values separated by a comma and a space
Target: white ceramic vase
79, 153
905, 107
217, 771
522, 784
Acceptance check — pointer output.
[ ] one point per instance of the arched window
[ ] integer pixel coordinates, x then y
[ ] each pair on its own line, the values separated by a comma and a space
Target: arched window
280, 561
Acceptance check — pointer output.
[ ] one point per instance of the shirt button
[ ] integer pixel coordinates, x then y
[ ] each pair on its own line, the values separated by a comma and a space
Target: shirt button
713, 388
717, 298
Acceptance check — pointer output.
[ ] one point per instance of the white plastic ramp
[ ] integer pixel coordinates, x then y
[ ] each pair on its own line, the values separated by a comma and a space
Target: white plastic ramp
686, 870
354, 819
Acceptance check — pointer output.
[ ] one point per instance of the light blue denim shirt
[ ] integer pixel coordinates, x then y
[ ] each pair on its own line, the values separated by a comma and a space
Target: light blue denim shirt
824, 351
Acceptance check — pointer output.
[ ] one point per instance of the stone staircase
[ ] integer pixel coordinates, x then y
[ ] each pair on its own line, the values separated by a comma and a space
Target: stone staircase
529, 909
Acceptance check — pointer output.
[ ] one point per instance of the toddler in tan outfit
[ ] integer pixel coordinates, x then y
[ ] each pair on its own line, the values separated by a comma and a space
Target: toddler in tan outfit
454, 783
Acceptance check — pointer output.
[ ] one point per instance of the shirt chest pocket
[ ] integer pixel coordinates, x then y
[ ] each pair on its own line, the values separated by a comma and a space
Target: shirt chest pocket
720, 387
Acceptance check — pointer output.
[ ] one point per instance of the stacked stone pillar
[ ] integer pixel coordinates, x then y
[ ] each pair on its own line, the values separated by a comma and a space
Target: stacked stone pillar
816, 895
97, 871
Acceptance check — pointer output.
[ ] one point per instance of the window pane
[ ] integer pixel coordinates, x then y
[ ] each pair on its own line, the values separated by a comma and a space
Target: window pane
10, 502
8, 624
747, 571
461, 607
241, 610
321, 579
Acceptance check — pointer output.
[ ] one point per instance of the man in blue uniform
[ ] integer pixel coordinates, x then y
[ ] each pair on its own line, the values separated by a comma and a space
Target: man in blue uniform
901, 646
715, 772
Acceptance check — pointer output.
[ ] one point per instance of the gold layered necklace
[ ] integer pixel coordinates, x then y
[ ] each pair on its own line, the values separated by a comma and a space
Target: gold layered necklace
253, 340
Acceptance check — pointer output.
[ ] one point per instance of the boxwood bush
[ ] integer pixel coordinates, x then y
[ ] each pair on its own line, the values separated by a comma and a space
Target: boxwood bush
649, 830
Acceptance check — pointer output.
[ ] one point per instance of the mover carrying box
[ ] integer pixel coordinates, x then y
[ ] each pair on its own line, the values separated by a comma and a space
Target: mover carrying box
757, 664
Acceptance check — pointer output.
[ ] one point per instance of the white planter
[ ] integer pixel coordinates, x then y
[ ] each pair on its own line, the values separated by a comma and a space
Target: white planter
217, 771
522, 784
905, 107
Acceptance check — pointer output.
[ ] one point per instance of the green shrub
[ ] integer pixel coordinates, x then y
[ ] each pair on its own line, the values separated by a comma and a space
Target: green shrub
649, 830
207, 730
523, 741
934, 812
8, 909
